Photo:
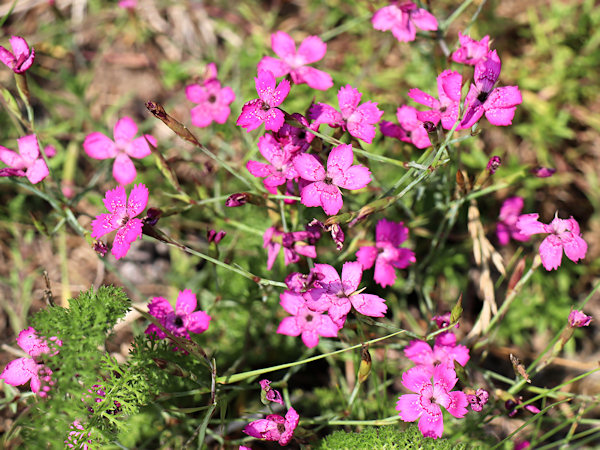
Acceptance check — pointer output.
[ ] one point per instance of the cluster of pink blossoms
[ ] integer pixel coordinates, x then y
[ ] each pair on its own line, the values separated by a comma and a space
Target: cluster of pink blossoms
497, 103
319, 303
286, 146
274, 427
32, 369
432, 380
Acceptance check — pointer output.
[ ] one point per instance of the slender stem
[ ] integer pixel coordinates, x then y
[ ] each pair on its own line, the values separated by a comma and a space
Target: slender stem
229, 379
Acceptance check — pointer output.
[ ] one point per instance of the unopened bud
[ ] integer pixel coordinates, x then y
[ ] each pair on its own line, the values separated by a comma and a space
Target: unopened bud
364, 369
493, 164
543, 172
152, 216
214, 236
235, 200
100, 248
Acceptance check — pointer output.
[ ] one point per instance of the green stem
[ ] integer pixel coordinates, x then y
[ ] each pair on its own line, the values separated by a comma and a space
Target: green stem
229, 379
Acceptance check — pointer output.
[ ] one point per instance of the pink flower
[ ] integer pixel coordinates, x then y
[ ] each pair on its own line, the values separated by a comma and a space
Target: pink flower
27, 163
410, 130
447, 107
127, 4
22, 370
264, 109
324, 187
274, 427
21, 58
182, 320
498, 104
564, 235
293, 247
270, 394
478, 400
213, 100
312, 49
304, 321
445, 351
404, 19
543, 172
359, 121
470, 51
121, 217
578, 319
338, 295
430, 396
386, 254
123, 148
507, 221
280, 167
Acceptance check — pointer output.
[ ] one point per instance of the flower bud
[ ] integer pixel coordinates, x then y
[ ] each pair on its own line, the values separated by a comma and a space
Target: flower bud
364, 369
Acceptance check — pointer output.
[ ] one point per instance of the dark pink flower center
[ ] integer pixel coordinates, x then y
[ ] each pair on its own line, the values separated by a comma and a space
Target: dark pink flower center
212, 98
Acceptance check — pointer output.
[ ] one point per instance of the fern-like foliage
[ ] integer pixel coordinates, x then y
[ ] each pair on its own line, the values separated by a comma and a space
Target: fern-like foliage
386, 438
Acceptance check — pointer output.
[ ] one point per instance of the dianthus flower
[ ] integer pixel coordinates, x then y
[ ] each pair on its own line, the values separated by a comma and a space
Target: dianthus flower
324, 189
181, 320
213, 100
21, 58
404, 19
22, 370
507, 221
445, 352
264, 109
410, 130
312, 49
358, 120
27, 163
304, 321
564, 235
543, 172
280, 167
445, 109
478, 400
123, 148
338, 295
269, 394
294, 139
293, 245
274, 427
430, 396
121, 217
470, 51
578, 319
499, 104
386, 254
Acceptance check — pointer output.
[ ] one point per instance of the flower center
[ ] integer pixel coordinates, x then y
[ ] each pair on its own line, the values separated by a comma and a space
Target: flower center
124, 220
212, 98
482, 97
178, 321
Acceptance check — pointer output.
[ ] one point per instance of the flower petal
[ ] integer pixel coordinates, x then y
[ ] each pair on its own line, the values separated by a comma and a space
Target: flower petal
278, 67
197, 322
125, 236
351, 276
125, 129
312, 49
186, 302
99, 146
283, 45
124, 169
138, 199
